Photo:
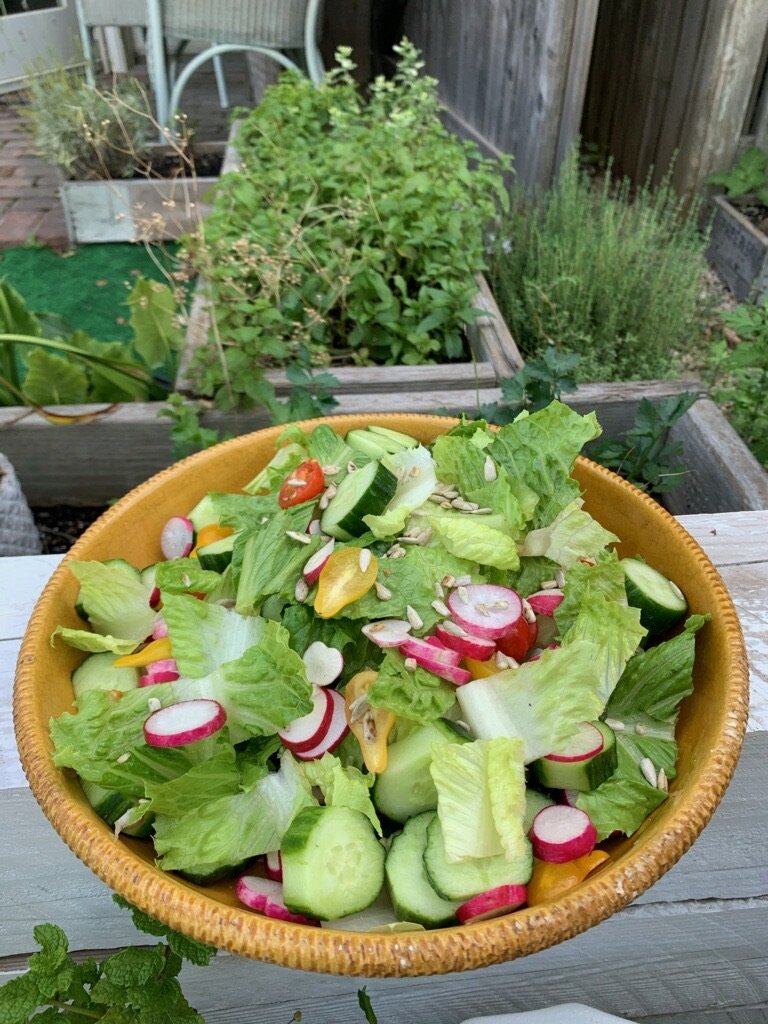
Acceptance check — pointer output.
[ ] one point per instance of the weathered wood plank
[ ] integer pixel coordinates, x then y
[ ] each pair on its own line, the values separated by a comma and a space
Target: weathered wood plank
738, 251
738, 538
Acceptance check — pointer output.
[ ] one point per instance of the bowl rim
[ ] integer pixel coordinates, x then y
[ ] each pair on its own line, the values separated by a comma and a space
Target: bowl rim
372, 954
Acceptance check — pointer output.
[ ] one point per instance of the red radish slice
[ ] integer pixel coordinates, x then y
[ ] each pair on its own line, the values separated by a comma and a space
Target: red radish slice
465, 645
485, 609
265, 896
314, 528
306, 732
315, 564
452, 674
335, 733
585, 743
546, 602
388, 632
323, 664
502, 900
273, 865
163, 671
185, 722
560, 833
160, 629
421, 650
177, 537
519, 640
154, 597
436, 642
569, 796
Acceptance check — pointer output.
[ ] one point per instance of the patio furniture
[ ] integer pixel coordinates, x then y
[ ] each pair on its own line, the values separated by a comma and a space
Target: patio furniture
692, 948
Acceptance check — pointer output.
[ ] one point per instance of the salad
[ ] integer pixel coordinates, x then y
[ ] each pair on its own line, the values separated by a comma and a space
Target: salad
386, 684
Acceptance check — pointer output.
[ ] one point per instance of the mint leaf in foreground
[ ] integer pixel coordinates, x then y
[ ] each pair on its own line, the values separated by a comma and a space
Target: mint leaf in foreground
190, 949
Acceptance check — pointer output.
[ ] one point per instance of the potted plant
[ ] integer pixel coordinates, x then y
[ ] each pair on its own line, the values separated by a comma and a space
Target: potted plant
738, 247
119, 184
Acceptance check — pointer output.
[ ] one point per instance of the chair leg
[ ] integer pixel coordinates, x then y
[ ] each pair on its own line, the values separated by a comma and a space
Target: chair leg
221, 82
85, 39
314, 61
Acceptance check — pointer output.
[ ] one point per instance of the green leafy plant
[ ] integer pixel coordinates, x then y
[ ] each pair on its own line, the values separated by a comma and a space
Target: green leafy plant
644, 455
354, 229
748, 176
538, 383
739, 373
603, 270
87, 132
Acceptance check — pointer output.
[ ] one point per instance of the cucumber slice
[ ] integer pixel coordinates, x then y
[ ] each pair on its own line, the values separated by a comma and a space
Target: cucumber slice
413, 898
208, 875
115, 563
98, 672
468, 878
584, 775
661, 602
203, 514
333, 863
110, 806
405, 787
148, 576
368, 491
403, 440
218, 555
369, 444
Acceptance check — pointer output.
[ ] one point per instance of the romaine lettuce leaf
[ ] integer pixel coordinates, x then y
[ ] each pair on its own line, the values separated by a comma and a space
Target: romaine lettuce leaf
205, 635
185, 576
614, 631
268, 561
235, 828
253, 759
531, 574
413, 693
623, 802
274, 473
583, 580
541, 449
342, 786
115, 601
305, 628
243, 511
572, 535
94, 643
211, 779
468, 537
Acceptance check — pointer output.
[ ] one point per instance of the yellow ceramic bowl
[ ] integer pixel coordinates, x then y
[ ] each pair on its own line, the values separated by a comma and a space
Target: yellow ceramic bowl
710, 733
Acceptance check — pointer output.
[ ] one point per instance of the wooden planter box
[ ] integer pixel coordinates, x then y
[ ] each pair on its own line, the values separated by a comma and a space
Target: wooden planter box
738, 252
139, 209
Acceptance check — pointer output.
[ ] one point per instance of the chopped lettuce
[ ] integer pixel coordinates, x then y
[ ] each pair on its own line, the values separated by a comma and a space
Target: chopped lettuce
204, 635
342, 786
468, 537
285, 459
623, 802
209, 780
269, 561
254, 757
94, 643
242, 511
583, 580
614, 631
185, 576
413, 693
572, 535
531, 574
481, 798
305, 628
115, 601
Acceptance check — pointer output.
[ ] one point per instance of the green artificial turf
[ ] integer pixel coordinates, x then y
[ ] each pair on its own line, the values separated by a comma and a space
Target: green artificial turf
87, 286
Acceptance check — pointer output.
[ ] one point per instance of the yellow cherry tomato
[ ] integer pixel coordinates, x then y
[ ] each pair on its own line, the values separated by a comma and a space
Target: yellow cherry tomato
371, 726
158, 650
481, 669
209, 535
347, 575
549, 881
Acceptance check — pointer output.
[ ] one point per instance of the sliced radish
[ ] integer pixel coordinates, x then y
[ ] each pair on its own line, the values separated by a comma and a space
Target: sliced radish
273, 865
322, 663
185, 722
569, 796
519, 640
561, 833
485, 609
163, 671
160, 628
154, 598
586, 742
466, 645
306, 732
315, 564
436, 642
421, 650
493, 903
265, 896
335, 733
177, 537
453, 674
546, 602
388, 632
314, 529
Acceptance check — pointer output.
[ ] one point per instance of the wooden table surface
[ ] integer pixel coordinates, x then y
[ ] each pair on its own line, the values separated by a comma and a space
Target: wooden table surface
691, 950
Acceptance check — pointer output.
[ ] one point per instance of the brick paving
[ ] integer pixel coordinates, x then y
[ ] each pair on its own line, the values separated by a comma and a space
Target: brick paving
30, 210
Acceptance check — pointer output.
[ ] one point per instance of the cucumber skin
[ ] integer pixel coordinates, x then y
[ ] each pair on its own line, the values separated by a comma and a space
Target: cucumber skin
216, 560
654, 616
466, 879
97, 672
350, 523
583, 775
306, 855
415, 900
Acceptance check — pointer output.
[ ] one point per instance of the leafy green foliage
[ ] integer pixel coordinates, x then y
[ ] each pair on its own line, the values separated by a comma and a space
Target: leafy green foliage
748, 176
365, 1004
538, 383
354, 229
644, 455
88, 133
740, 375
605, 271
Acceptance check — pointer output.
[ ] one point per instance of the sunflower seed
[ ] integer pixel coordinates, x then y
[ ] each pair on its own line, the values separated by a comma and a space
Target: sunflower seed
264, 519
528, 612
464, 506
419, 512
364, 559
560, 578
500, 604
640, 729
413, 617
662, 782
480, 511
301, 591
328, 493
548, 585
425, 536
359, 707
615, 724
453, 628
451, 493
154, 704
504, 661
351, 467
463, 594
445, 504
186, 579
437, 498
411, 663
413, 531
439, 592
448, 581
489, 469
331, 470
463, 581
649, 771
482, 608
382, 592
302, 538
440, 608
294, 481
414, 471
123, 758
396, 551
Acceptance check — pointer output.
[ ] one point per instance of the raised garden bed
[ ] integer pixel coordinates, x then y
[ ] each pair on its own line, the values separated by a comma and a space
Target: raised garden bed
738, 250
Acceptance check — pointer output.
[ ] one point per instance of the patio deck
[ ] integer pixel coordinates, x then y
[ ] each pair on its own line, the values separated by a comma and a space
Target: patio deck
30, 210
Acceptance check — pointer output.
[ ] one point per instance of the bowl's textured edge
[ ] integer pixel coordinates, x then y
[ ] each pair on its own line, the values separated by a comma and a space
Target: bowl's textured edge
372, 954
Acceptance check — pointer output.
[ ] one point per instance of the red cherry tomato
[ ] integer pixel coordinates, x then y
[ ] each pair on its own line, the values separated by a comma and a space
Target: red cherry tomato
519, 640
302, 484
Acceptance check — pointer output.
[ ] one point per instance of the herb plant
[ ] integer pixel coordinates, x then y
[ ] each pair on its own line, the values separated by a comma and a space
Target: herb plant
354, 229
601, 270
748, 176
740, 376
538, 383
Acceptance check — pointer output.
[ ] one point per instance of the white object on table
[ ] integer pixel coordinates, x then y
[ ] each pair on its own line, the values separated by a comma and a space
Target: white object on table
565, 1013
